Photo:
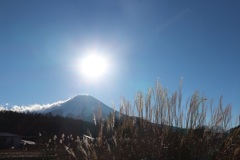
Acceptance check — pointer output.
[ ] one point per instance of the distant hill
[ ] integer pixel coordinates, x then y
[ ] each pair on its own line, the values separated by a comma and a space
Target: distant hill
82, 107
31, 124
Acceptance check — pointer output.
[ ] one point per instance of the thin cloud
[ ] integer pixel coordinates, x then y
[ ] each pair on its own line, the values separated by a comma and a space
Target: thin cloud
32, 108
2, 108
173, 20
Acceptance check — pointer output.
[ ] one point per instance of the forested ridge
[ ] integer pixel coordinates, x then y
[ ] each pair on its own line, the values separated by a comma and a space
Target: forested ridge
31, 124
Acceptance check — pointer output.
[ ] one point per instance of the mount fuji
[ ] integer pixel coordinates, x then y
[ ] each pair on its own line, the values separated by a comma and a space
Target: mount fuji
82, 107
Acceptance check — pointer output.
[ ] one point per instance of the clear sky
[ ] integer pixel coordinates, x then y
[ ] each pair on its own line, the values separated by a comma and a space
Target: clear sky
43, 42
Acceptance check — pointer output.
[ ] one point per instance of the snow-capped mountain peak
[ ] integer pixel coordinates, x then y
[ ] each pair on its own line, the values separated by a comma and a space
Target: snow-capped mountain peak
80, 107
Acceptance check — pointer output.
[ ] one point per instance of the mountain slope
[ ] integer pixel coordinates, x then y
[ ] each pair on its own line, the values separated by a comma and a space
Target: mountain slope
80, 107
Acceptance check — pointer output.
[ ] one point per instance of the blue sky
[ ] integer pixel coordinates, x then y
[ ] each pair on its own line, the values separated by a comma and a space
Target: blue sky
41, 43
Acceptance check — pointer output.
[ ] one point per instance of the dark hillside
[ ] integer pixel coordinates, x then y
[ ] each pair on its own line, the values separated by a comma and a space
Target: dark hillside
31, 124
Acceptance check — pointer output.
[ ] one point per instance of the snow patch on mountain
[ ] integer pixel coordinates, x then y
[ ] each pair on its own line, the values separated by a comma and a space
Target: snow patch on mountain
81, 107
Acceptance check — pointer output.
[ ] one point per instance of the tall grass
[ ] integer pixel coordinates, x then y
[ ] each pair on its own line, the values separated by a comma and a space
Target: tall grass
158, 107
171, 129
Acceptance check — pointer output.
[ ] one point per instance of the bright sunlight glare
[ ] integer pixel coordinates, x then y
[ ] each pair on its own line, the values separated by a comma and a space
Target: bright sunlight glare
94, 66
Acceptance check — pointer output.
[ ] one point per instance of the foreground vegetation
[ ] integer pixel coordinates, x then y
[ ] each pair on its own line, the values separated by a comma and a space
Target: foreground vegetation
157, 126
165, 129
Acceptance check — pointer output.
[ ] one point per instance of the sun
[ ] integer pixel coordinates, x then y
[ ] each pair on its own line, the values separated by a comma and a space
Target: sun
94, 66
